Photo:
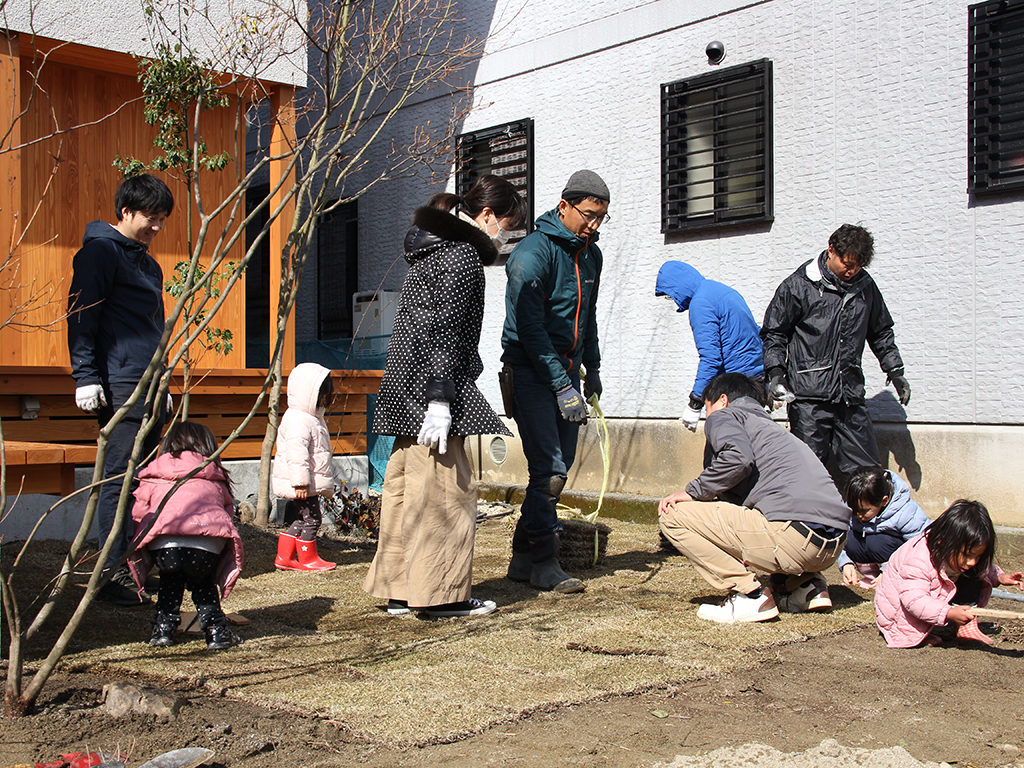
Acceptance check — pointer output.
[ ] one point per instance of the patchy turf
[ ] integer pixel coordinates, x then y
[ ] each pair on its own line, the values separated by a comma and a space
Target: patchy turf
319, 644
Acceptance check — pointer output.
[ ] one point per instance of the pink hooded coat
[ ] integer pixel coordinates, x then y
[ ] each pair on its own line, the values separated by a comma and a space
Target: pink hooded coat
912, 596
202, 506
303, 451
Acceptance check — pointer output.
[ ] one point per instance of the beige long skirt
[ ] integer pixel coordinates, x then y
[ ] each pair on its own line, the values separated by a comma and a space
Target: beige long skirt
427, 526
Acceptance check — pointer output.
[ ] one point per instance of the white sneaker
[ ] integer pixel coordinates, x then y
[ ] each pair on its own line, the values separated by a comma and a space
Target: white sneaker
738, 608
812, 596
398, 608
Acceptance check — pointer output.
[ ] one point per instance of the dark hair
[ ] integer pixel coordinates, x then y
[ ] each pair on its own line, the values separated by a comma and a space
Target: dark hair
143, 193
734, 386
326, 391
855, 242
195, 437
581, 198
870, 484
961, 528
492, 192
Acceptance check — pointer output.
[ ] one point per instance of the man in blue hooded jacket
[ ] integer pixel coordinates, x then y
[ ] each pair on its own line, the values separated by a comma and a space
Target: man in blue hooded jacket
724, 330
115, 322
550, 331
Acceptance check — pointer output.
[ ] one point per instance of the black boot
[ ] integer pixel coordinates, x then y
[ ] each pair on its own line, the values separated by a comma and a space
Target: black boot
216, 630
547, 573
521, 565
164, 627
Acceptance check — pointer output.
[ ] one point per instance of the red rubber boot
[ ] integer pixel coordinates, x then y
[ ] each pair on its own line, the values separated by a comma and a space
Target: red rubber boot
309, 560
285, 560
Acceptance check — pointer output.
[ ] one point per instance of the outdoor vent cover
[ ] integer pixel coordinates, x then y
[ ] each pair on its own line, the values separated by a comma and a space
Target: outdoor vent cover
498, 449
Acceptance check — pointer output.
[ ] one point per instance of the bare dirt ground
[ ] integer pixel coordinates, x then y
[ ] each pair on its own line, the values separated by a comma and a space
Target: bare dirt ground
959, 703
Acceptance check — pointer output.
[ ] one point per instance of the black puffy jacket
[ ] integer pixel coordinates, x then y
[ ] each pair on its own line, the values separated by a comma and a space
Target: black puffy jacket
815, 330
433, 353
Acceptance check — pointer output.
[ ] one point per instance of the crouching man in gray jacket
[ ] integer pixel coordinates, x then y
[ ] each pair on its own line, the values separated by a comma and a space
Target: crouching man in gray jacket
764, 501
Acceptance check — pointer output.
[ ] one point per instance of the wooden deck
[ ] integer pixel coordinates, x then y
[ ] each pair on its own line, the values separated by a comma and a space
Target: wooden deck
44, 451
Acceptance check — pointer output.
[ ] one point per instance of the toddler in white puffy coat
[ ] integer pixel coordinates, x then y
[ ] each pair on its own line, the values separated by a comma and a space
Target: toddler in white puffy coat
302, 465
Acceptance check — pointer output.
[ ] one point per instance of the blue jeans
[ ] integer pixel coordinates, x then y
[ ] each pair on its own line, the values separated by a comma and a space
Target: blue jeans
119, 451
549, 442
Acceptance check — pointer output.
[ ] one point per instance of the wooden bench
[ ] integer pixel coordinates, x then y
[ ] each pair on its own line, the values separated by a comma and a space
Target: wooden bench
44, 467
61, 436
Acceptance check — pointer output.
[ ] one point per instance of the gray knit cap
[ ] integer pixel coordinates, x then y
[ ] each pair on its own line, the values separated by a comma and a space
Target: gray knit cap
586, 184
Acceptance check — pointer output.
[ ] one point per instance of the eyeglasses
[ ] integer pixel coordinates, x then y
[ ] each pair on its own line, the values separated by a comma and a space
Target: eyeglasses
592, 218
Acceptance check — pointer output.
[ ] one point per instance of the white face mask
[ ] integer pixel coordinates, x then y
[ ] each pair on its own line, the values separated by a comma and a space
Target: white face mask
501, 237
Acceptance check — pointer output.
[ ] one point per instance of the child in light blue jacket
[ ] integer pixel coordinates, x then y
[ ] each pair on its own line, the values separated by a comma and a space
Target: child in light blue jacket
884, 518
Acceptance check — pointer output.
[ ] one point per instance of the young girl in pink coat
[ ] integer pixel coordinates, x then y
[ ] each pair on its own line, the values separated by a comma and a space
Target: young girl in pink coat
936, 577
192, 538
302, 469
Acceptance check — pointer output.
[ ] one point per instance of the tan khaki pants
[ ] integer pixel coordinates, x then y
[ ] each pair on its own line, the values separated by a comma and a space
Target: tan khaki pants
725, 541
427, 526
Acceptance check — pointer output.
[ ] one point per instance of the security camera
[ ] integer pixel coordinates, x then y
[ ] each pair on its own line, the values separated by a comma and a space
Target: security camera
715, 52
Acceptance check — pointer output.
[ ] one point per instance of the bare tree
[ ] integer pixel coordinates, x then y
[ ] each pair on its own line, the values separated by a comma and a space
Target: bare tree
366, 61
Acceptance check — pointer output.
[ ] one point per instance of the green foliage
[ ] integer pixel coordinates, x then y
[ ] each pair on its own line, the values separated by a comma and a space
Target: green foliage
218, 340
353, 514
173, 85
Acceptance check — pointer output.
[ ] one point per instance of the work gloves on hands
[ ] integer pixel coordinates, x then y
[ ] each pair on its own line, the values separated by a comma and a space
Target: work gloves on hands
691, 415
90, 398
436, 423
899, 381
570, 403
592, 384
778, 393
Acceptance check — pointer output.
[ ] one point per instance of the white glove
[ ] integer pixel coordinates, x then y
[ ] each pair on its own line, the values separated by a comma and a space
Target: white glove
690, 418
436, 423
90, 397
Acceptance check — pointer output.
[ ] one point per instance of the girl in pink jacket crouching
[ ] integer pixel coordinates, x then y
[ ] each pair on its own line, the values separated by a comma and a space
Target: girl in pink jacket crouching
192, 538
951, 562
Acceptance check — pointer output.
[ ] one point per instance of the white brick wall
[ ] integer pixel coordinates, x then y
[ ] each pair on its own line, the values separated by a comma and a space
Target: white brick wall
869, 127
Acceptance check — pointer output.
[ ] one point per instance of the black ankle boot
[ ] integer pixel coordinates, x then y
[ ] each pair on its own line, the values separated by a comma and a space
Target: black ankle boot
220, 636
164, 627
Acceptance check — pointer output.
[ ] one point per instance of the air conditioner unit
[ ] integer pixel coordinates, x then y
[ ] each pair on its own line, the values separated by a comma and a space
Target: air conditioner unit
373, 320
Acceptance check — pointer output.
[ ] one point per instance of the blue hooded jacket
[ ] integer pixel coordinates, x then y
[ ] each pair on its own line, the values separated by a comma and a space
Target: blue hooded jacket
724, 330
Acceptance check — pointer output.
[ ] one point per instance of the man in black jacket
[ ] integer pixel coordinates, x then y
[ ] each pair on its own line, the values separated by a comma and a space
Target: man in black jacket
115, 321
814, 332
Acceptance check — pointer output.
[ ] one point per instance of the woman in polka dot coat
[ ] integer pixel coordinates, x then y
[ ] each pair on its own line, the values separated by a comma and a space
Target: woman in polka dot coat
430, 402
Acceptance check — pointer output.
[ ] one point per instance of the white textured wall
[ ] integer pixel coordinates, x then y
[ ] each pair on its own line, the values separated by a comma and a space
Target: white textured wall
214, 30
869, 127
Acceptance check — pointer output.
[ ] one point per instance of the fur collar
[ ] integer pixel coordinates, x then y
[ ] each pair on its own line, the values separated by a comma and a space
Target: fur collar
432, 226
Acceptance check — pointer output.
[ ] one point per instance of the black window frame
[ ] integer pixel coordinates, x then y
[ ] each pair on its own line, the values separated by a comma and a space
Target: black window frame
476, 153
995, 97
728, 124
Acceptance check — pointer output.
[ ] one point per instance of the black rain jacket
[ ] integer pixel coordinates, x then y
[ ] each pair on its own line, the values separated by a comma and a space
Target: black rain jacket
815, 330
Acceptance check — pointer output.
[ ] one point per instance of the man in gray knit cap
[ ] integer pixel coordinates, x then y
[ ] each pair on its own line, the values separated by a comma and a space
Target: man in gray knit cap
550, 331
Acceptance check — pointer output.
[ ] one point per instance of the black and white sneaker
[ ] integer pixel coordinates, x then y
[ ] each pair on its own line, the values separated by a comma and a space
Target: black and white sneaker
471, 607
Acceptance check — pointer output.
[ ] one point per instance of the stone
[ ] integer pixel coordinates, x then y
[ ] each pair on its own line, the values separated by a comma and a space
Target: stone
121, 698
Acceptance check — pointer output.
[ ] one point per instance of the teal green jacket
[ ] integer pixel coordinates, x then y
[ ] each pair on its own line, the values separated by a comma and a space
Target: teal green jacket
550, 300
